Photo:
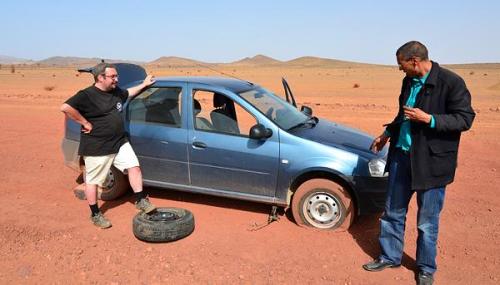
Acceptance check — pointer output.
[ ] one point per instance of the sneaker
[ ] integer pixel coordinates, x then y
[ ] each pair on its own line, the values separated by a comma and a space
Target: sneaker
100, 221
145, 206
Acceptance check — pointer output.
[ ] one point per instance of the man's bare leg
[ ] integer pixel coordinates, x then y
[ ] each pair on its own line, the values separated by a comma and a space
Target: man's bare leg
97, 217
135, 179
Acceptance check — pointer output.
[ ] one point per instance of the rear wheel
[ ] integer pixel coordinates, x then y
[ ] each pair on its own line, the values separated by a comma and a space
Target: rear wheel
116, 185
323, 204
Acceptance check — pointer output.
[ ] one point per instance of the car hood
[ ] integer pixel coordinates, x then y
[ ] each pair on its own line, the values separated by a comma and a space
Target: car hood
339, 136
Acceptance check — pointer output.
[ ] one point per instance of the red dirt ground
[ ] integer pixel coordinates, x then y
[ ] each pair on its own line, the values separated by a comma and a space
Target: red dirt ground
46, 236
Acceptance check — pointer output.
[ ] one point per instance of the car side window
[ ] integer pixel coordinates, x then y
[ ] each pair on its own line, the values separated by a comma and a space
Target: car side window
215, 112
159, 105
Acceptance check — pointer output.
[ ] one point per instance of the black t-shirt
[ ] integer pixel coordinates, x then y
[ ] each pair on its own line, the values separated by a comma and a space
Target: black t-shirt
103, 111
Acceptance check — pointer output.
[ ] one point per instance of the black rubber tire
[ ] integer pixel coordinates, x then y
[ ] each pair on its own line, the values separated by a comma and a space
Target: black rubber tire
316, 190
163, 231
119, 185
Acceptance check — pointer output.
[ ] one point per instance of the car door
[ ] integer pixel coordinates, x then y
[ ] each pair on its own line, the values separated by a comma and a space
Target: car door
225, 158
157, 131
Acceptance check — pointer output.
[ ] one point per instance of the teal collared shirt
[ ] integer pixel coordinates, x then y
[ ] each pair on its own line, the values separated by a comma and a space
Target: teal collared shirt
404, 141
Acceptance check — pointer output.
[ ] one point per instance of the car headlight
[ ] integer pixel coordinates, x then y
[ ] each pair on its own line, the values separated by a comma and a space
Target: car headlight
377, 167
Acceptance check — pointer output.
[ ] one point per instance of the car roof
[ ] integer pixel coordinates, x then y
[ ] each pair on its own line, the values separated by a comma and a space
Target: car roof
232, 84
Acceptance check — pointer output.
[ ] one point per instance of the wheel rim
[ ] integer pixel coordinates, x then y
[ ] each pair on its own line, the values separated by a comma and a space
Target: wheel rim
109, 182
322, 210
162, 216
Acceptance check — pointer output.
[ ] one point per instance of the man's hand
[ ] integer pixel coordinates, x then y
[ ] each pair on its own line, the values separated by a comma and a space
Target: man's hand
86, 127
149, 80
417, 115
379, 143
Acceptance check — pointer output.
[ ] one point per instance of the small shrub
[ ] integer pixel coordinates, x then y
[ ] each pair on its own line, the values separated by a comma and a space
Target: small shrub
49, 88
356, 85
471, 73
53, 75
12, 69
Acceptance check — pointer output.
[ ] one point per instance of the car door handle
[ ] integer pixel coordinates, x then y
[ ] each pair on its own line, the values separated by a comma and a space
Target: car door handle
199, 145
164, 142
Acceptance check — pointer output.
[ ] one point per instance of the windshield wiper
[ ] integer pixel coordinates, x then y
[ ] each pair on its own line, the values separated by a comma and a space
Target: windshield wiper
312, 121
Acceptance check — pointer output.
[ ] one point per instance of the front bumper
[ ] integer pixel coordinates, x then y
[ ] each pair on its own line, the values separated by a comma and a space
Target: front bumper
371, 193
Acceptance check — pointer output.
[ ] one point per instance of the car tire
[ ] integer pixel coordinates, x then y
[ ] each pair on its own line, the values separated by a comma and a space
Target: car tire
116, 185
163, 225
323, 204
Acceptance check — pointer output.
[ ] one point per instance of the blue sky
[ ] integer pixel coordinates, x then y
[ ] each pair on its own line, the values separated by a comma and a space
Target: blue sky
224, 31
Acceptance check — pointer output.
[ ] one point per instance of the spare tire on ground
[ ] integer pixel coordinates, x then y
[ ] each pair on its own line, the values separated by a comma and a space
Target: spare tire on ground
163, 225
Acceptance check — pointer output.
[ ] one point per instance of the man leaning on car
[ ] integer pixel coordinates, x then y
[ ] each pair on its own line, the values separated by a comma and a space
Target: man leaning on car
103, 141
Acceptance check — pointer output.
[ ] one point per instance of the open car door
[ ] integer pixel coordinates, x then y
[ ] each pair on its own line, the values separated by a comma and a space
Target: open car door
288, 93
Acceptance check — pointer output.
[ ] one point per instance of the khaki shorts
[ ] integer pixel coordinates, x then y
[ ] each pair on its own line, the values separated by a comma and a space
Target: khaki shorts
97, 167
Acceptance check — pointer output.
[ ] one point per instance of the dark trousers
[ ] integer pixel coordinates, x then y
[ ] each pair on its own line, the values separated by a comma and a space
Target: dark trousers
392, 225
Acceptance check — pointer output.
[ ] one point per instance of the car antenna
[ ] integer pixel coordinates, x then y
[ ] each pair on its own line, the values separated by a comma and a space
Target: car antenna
223, 73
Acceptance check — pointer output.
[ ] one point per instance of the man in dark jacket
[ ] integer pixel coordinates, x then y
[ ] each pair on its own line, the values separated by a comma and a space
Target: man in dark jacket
434, 108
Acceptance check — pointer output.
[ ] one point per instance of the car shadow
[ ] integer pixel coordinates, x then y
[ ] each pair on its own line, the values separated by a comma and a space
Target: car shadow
180, 196
365, 231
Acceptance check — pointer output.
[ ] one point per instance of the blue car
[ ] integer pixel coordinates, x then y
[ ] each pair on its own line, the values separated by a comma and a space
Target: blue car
233, 138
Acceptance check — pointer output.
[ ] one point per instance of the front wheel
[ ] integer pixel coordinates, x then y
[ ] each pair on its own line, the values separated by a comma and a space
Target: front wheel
323, 204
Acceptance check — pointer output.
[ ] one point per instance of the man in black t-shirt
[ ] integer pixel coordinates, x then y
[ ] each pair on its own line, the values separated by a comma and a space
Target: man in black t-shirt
103, 140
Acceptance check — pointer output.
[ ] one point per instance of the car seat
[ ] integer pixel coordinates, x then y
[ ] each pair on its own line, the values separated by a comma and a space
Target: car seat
221, 117
200, 122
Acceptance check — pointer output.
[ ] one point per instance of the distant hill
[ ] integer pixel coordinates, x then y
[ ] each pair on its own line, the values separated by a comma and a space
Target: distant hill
4, 59
173, 61
311, 61
257, 60
473, 66
63, 61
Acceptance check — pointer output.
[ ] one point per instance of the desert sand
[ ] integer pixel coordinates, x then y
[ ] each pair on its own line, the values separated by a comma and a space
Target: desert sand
46, 236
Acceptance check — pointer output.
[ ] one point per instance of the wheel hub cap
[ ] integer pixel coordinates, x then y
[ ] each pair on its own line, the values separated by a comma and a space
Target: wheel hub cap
322, 210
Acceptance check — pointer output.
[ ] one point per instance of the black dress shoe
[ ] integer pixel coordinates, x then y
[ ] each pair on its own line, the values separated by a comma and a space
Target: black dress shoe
379, 265
425, 278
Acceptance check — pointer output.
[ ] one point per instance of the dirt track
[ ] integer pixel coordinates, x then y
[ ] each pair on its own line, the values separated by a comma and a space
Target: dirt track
46, 237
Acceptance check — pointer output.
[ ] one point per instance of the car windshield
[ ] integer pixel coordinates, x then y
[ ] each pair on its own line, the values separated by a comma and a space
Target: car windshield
278, 110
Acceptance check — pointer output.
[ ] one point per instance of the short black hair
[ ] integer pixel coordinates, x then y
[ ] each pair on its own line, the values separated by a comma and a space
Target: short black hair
101, 69
413, 49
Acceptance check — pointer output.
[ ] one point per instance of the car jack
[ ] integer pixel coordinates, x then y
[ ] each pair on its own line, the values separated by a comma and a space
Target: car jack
273, 216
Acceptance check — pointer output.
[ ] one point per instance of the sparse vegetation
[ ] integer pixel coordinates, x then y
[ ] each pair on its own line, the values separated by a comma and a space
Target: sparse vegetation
12, 69
53, 75
356, 85
49, 88
471, 73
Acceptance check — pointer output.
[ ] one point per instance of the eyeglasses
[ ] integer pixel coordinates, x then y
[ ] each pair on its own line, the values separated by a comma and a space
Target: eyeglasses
114, 76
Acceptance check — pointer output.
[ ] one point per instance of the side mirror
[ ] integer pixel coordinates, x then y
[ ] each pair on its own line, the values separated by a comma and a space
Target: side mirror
259, 131
306, 110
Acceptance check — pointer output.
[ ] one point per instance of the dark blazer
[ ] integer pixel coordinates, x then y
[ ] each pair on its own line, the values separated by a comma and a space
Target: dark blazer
433, 152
